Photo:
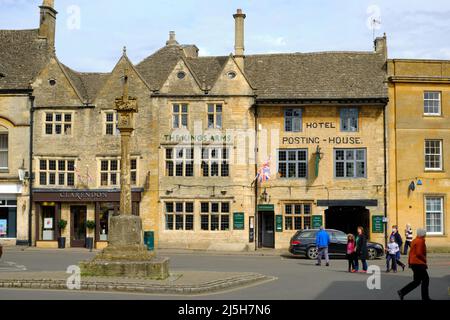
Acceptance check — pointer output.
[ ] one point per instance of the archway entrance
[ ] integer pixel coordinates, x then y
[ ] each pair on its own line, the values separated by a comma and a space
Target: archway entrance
347, 219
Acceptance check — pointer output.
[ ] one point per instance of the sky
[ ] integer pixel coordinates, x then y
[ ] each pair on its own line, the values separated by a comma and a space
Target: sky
91, 33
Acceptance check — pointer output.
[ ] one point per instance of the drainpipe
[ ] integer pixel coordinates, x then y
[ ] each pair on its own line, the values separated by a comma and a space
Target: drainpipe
385, 174
30, 206
256, 181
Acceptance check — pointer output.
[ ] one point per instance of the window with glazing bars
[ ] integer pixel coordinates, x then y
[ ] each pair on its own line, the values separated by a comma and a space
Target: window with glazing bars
3, 150
180, 162
215, 162
432, 103
297, 216
349, 119
293, 120
215, 116
180, 116
293, 163
58, 123
433, 155
350, 163
180, 216
215, 216
56, 172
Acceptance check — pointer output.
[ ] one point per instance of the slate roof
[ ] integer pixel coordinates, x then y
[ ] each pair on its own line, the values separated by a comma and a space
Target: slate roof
87, 84
22, 57
322, 75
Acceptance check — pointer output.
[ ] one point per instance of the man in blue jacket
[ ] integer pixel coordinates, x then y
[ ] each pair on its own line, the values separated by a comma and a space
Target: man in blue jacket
322, 243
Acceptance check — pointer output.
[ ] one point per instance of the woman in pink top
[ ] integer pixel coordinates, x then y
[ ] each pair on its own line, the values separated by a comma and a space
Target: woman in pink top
351, 253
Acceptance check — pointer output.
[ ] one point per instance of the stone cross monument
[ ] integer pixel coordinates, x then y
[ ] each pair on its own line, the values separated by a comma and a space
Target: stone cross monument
126, 254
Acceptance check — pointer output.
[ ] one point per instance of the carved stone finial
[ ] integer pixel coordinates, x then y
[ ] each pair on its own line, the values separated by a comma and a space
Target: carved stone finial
124, 50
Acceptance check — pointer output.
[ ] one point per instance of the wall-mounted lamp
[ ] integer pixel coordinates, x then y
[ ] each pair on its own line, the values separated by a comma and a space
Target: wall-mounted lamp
265, 195
23, 173
412, 186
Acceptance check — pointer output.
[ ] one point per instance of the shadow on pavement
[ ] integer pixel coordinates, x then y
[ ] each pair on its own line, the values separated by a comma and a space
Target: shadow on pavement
390, 284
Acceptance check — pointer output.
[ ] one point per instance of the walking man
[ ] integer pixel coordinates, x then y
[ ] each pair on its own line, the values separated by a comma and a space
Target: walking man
322, 243
418, 263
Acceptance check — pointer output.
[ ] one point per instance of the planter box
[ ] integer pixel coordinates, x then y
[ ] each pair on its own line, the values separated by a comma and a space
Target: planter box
47, 244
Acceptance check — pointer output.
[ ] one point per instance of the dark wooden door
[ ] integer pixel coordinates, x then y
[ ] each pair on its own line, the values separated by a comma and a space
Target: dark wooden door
78, 226
268, 230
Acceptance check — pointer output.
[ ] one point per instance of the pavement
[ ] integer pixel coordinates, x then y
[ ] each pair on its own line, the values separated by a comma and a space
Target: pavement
292, 278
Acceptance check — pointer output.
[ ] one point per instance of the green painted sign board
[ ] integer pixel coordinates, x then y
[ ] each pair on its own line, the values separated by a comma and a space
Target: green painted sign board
377, 224
317, 222
239, 221
266, 208
279, 223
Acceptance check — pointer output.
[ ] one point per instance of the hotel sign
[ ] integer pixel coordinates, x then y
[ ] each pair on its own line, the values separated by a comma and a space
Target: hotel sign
82, 196
315, 140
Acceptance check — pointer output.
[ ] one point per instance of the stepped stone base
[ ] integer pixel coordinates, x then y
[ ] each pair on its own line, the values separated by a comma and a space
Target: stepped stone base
157, 268
126, 256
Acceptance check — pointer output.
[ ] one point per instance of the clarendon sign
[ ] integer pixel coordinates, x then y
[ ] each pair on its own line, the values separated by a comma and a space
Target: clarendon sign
83, 195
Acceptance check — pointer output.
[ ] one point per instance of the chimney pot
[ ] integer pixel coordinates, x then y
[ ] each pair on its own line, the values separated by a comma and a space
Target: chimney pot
239, 47
172, 39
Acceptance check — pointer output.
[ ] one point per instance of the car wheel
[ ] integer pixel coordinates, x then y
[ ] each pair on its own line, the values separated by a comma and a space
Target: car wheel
312, 253
372, 254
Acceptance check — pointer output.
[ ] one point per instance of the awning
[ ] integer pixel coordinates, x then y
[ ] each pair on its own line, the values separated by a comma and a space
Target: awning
348, 203
11, 188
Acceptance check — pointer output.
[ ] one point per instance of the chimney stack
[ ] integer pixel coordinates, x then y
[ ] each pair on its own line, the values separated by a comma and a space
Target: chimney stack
47, 25
172, 39
239, 47
381, 46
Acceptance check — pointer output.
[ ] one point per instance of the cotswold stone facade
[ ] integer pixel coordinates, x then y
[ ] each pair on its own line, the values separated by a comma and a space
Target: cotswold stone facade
205, 127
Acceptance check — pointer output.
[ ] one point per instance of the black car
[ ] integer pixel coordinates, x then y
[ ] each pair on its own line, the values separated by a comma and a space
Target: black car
304, 243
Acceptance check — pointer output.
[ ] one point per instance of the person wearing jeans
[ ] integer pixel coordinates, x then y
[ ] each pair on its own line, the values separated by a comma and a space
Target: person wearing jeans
322, 243
418, 263
408, 239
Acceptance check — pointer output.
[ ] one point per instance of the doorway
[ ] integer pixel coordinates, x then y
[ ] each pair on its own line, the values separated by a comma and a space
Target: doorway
266, 229
78, 216
348, 219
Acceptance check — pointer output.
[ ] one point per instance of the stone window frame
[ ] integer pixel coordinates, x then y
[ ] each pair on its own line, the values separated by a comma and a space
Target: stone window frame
222, 160
134, 170
107, 123
441, 214
57, 171
293, 117
428, 154
173, 160
63, 123
429, 98
217, 216
181, 116
297, 213
346, 161
349, 116
5, 148
214, 116
179, 209
295, 161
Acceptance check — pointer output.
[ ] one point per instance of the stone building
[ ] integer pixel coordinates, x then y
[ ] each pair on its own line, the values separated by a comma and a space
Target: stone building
23, 53
205, 127
419, 136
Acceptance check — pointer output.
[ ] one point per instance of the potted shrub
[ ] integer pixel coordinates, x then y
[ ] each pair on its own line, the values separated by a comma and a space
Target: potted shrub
62, 224
90, 225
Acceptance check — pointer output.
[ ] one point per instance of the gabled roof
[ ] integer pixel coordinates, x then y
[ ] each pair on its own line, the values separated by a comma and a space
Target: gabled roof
87, 84
156, 69
22, 56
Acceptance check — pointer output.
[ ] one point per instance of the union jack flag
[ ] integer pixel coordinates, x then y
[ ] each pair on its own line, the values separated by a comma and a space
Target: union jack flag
264, 172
